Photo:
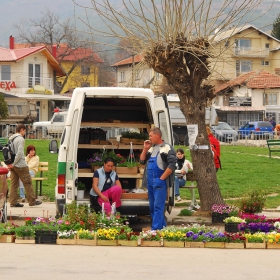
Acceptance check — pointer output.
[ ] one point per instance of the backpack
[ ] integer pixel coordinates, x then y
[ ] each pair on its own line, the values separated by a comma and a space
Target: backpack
9, 155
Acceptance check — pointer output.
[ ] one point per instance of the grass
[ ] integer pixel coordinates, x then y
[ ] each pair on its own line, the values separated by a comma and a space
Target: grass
243, 168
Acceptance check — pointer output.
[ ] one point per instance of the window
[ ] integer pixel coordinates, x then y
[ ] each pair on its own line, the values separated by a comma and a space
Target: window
85, 70
242, 45
19, 107
270, 99
267, 46
265, 62
34, 74
122, 76
243, 66
227, 43
5, 72
11, 109
58, 118
85, 84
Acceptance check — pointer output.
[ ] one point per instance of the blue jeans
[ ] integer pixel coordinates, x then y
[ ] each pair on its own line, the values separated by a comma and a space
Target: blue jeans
179, 183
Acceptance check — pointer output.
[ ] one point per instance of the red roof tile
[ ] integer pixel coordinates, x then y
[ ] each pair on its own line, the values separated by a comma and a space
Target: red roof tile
137, 58
253, 79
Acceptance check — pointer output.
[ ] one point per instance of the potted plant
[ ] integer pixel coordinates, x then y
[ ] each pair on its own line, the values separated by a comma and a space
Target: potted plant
25, 234
255, 240
86, 237
220, 212
95, 161
231, 223
151, 238
133, 137
173, 236
81, 190
235, 240
66, 237
127, 237
252, 202
7, 233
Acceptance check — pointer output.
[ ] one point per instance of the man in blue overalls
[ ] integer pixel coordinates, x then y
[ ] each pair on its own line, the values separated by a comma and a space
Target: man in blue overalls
160, 159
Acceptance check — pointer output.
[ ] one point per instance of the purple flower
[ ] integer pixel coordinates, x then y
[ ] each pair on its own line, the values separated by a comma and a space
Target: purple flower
195, 236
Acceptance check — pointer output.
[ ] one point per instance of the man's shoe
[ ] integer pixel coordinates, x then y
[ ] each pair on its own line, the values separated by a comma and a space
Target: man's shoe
17, 205
178, 198
36, 203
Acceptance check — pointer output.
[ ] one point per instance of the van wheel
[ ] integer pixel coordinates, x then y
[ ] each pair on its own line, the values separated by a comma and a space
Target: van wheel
176, 139
186, 141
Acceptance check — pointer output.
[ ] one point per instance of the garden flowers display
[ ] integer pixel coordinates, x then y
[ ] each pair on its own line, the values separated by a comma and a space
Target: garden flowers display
107, 234
258, 237
86, 234
151, 235
71, 234
234, 220
253, 202
256, 227
222, 208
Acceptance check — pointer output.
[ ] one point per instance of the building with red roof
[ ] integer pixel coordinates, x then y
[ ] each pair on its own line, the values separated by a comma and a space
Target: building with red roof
30, 73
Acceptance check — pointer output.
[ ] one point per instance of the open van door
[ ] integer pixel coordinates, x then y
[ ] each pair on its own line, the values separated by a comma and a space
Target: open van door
163, 121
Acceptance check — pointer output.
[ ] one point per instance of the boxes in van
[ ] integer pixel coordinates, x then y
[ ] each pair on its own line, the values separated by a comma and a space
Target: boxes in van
95, 116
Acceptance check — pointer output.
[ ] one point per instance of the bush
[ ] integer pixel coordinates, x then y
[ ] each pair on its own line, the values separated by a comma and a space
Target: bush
253, 202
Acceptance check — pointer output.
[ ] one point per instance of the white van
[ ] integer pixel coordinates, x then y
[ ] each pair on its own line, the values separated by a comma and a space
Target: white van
110, 110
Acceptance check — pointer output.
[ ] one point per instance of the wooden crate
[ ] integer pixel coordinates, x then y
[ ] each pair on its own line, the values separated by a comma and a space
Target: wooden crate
134, 196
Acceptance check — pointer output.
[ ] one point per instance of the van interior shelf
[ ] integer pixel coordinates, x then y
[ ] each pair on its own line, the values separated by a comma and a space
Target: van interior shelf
121, 175
115, 124
115, 146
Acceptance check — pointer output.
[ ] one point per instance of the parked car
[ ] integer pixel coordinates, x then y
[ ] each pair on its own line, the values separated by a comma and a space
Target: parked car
256, 130
224, 133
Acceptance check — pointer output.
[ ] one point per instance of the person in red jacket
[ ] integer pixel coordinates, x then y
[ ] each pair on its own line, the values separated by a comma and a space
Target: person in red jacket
215, 146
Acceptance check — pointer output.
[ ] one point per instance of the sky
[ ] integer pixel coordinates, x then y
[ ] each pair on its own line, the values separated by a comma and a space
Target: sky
13, 11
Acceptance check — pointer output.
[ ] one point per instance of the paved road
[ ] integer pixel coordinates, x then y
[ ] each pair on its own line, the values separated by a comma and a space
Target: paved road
69, 262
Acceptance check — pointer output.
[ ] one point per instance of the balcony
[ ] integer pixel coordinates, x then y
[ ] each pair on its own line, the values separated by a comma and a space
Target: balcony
29, 82
250, 52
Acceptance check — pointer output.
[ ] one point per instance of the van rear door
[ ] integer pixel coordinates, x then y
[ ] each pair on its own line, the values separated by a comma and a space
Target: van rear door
163, 121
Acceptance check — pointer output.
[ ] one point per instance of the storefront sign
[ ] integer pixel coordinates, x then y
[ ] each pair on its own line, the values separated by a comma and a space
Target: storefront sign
7, 85
38, 89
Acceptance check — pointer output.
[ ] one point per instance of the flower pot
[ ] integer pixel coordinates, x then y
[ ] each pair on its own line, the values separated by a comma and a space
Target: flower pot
126, 170
255, 245
145, 243
218, 218
24, 241
231, 227
174, 244
107, 242
62, 241
95, 167
234, 245
129, 243
45, 237
87, 242
80, 194
210, 244
194, 244
272, 246
7, 238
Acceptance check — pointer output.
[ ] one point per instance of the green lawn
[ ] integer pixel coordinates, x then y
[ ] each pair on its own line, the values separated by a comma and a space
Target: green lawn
243, 168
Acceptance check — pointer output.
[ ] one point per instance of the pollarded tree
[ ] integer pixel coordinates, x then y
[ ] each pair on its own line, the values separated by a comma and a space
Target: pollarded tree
276, 28
177, 38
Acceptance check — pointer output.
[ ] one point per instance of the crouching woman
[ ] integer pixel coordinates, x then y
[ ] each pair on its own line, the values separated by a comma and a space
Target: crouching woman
106, 187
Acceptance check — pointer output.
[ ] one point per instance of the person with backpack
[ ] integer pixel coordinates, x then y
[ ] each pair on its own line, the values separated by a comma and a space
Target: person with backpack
19, 170
160, 159
215, 147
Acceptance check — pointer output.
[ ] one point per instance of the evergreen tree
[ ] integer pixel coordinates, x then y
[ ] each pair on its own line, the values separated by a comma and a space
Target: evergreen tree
276, 28
3, 107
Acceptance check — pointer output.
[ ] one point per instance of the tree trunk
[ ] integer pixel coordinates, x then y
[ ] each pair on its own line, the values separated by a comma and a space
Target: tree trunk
203, 162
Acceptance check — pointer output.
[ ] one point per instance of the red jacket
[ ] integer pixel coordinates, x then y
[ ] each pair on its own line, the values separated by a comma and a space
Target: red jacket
216, 149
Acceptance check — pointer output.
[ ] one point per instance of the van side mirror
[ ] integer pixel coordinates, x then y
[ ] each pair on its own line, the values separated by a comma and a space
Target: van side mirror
53, 147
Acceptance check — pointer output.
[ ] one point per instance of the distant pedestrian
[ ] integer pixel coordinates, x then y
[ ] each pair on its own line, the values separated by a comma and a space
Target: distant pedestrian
273, 123
19, 170
215, 147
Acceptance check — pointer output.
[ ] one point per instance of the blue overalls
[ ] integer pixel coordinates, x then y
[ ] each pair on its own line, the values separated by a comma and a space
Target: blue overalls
157, 193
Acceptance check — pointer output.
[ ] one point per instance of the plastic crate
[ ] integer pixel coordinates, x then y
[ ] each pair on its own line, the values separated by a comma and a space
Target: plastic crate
45, 237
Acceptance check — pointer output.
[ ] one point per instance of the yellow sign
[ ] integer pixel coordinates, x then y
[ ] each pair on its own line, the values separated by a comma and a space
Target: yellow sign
38, 89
